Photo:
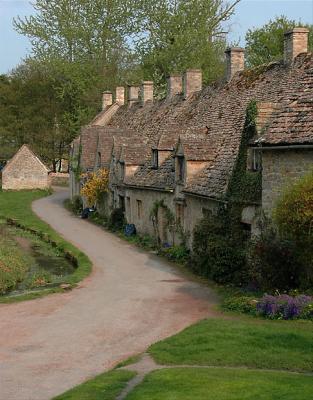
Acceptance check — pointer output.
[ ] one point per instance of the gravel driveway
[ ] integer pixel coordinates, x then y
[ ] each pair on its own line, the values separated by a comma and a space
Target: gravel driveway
131, 299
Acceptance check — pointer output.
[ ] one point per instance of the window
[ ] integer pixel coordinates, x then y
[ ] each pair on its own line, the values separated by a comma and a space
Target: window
139, 209
98, 160
155, 158
180, 174
254, 160
257, 160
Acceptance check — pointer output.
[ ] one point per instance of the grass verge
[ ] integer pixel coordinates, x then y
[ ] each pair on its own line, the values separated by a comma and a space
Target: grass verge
17, 206
104, 387
13, 262
281, 345
222, 384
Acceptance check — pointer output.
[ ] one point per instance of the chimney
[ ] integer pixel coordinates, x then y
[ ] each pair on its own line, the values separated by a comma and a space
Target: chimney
146, 91
296, 42
192, 82
174, 85
133, 95
120, 95
235, 61
107, 99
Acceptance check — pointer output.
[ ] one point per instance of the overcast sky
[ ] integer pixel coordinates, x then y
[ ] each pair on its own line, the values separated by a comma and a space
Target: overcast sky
249, 13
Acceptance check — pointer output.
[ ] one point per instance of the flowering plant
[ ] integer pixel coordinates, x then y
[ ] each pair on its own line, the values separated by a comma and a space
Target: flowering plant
285, 306
95, 183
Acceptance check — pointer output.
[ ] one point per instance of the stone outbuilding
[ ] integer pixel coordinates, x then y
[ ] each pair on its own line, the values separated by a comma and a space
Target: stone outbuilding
25, 171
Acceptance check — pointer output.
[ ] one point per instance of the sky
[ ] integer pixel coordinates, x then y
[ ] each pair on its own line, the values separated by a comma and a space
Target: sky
249, 14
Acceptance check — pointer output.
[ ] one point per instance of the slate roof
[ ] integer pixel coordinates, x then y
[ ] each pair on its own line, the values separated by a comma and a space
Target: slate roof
131, 149
98, 139
210, 123
293, 125
198, 146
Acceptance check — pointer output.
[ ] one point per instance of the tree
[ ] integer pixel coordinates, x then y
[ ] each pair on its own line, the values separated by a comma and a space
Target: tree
78, 30
266, 44
184, 34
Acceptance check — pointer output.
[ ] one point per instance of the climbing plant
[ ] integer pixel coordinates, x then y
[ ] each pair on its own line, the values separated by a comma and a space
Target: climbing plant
219, 245
168, 216
75, 164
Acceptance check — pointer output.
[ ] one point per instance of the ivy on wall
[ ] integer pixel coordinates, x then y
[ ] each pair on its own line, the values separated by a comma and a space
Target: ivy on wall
245, 186
220, 242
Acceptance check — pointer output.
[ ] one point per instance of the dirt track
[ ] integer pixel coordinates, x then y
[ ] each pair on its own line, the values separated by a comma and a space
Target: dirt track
131, 299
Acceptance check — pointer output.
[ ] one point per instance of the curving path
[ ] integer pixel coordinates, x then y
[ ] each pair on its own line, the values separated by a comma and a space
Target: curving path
131, 299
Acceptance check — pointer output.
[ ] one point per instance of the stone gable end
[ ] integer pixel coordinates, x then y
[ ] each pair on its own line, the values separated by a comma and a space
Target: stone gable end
25, 171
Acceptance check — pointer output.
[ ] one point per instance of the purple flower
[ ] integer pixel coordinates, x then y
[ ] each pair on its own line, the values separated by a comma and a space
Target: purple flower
283, 306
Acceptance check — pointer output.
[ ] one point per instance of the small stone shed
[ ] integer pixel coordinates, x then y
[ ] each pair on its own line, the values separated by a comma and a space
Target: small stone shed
25, 171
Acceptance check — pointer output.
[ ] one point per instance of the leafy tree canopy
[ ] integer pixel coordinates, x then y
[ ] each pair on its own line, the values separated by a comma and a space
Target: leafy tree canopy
266, 44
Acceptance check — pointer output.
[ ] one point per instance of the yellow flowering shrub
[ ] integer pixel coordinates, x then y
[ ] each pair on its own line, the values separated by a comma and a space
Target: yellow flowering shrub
95, 183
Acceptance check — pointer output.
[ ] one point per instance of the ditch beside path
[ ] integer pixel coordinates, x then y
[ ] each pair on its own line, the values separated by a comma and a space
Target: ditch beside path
131, 300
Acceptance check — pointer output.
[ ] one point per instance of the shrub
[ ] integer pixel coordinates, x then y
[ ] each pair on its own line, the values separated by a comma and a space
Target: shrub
95, 183
216, 254
294, 211
75, 205
178, 253
117, 220
99, 219
242, 304
272, 263
294, 218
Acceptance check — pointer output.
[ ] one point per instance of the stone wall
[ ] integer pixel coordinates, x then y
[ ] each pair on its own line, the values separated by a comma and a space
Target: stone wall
194, 210
280, 169
139, 213
25, 171
59, 179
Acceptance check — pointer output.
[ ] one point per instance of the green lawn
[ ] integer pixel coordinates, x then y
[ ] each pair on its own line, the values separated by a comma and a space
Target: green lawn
17, 205
247, 342
104, 387
222, 384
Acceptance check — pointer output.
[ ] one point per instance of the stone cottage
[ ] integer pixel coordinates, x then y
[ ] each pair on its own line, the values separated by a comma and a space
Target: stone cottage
183, 150
25, 171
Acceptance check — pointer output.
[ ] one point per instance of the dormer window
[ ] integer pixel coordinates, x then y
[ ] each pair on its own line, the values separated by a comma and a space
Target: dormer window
155, 158
180, 168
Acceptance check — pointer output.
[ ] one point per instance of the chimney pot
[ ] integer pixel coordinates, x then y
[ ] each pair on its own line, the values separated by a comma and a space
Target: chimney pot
120, 95
146, 91
174, 85
133, 95
235, 61
192, 82
296, 42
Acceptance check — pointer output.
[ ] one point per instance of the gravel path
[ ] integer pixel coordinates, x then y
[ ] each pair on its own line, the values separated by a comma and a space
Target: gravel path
131, 299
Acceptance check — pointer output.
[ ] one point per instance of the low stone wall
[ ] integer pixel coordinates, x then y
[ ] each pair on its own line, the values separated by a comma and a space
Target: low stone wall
59, 178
